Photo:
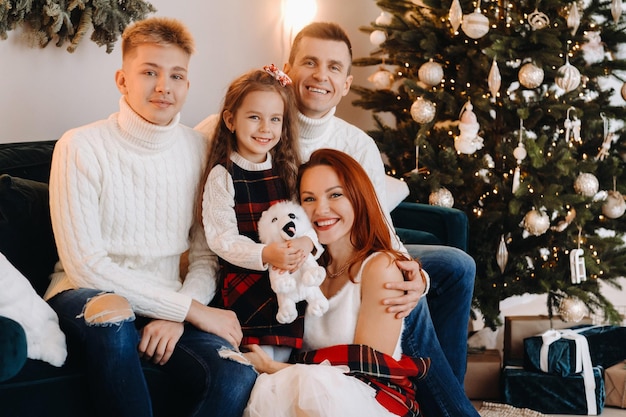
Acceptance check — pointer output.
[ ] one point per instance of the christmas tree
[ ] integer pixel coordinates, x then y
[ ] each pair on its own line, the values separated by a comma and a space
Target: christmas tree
510, 110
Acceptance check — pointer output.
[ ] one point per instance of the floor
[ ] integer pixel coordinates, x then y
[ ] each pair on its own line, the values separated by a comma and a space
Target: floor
606, 412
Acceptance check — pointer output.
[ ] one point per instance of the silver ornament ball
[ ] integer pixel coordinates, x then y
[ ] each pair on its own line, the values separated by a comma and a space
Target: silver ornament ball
536, 222
568, 78
530, 75
475, 25
614, 206
586, 184
430, 73
384, 19
377, 37
442, 197
422, 110
382, 79
572, 309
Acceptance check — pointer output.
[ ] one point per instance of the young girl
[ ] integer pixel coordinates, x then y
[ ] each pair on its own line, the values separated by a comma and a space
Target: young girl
356, 332
253, 162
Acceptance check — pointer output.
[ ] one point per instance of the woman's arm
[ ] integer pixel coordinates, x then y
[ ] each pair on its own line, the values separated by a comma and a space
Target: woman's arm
376, 327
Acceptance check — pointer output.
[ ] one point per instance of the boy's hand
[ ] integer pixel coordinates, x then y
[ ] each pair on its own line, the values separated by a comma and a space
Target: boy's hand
158, 339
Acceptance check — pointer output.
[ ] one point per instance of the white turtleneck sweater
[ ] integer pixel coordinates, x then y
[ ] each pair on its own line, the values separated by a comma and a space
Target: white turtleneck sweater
122, 195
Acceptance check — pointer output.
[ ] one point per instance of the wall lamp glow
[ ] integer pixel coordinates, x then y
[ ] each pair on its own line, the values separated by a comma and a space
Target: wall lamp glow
297, 14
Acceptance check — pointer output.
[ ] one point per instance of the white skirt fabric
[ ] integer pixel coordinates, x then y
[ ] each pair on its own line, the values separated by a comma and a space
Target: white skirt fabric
313, 391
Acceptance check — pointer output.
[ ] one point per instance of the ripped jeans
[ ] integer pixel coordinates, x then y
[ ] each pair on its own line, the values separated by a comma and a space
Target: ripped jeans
219, 387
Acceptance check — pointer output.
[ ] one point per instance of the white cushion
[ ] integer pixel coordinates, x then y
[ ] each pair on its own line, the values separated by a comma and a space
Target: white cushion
20, 302
397, 191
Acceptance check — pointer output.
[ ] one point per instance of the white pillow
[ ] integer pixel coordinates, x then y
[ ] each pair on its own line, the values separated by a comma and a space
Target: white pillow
19, 301
397, 191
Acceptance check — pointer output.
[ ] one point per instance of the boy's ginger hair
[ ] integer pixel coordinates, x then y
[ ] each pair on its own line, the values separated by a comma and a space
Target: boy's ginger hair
160, 31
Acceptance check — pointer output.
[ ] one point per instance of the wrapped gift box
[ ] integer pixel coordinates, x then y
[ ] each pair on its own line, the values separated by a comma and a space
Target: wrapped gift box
517, 328
615, 385
607, 346
550, 394
482, 378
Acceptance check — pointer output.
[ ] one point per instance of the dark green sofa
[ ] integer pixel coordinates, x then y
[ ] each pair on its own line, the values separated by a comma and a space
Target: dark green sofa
32, 388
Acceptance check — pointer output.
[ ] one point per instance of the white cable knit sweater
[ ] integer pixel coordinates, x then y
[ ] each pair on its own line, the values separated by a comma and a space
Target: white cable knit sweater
122, 194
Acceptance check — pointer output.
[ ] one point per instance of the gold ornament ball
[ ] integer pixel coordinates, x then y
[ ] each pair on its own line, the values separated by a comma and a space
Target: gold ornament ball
530, 75
475, 25
536, 222
568, 78
442, 197
423, 111
586, 184
614, 206
377, 37
623, 91
572, 309
430, 73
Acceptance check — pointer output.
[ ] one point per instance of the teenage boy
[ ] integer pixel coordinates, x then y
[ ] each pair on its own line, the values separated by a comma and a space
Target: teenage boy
319, 65
122, 196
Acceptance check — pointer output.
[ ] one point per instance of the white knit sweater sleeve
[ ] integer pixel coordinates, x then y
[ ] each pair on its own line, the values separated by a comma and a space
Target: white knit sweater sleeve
75, 186
220, 223
201, 279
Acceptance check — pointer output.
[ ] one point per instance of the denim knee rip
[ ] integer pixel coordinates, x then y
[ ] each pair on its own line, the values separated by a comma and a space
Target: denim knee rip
233, 355
108, 317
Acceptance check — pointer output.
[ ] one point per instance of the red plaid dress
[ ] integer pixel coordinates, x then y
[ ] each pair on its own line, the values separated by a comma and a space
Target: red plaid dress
391, 379
247, 292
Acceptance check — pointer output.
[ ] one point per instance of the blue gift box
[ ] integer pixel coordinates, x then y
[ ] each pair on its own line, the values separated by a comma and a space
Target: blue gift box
551, 394
606, 344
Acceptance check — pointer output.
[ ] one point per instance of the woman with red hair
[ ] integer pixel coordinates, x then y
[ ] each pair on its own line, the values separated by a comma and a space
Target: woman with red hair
352, 362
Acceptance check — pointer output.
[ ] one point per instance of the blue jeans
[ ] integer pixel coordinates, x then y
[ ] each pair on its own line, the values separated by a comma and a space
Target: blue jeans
220, 387
437, 328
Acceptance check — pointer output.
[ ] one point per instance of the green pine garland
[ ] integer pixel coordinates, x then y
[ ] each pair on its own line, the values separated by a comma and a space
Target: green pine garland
68, 21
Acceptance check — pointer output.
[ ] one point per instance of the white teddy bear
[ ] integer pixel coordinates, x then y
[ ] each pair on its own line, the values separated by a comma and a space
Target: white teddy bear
285, 221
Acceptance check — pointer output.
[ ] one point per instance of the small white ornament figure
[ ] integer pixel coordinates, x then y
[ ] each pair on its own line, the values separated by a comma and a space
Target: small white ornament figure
468, 140
578, 272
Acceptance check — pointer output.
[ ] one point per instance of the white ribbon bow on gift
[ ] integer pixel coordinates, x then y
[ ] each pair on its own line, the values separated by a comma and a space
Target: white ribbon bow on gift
583, 361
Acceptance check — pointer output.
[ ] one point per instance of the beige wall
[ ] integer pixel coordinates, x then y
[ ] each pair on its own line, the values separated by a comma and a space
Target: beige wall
44, 92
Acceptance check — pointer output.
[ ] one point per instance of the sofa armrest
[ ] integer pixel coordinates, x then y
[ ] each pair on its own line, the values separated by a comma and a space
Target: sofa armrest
435, 224
13, 348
